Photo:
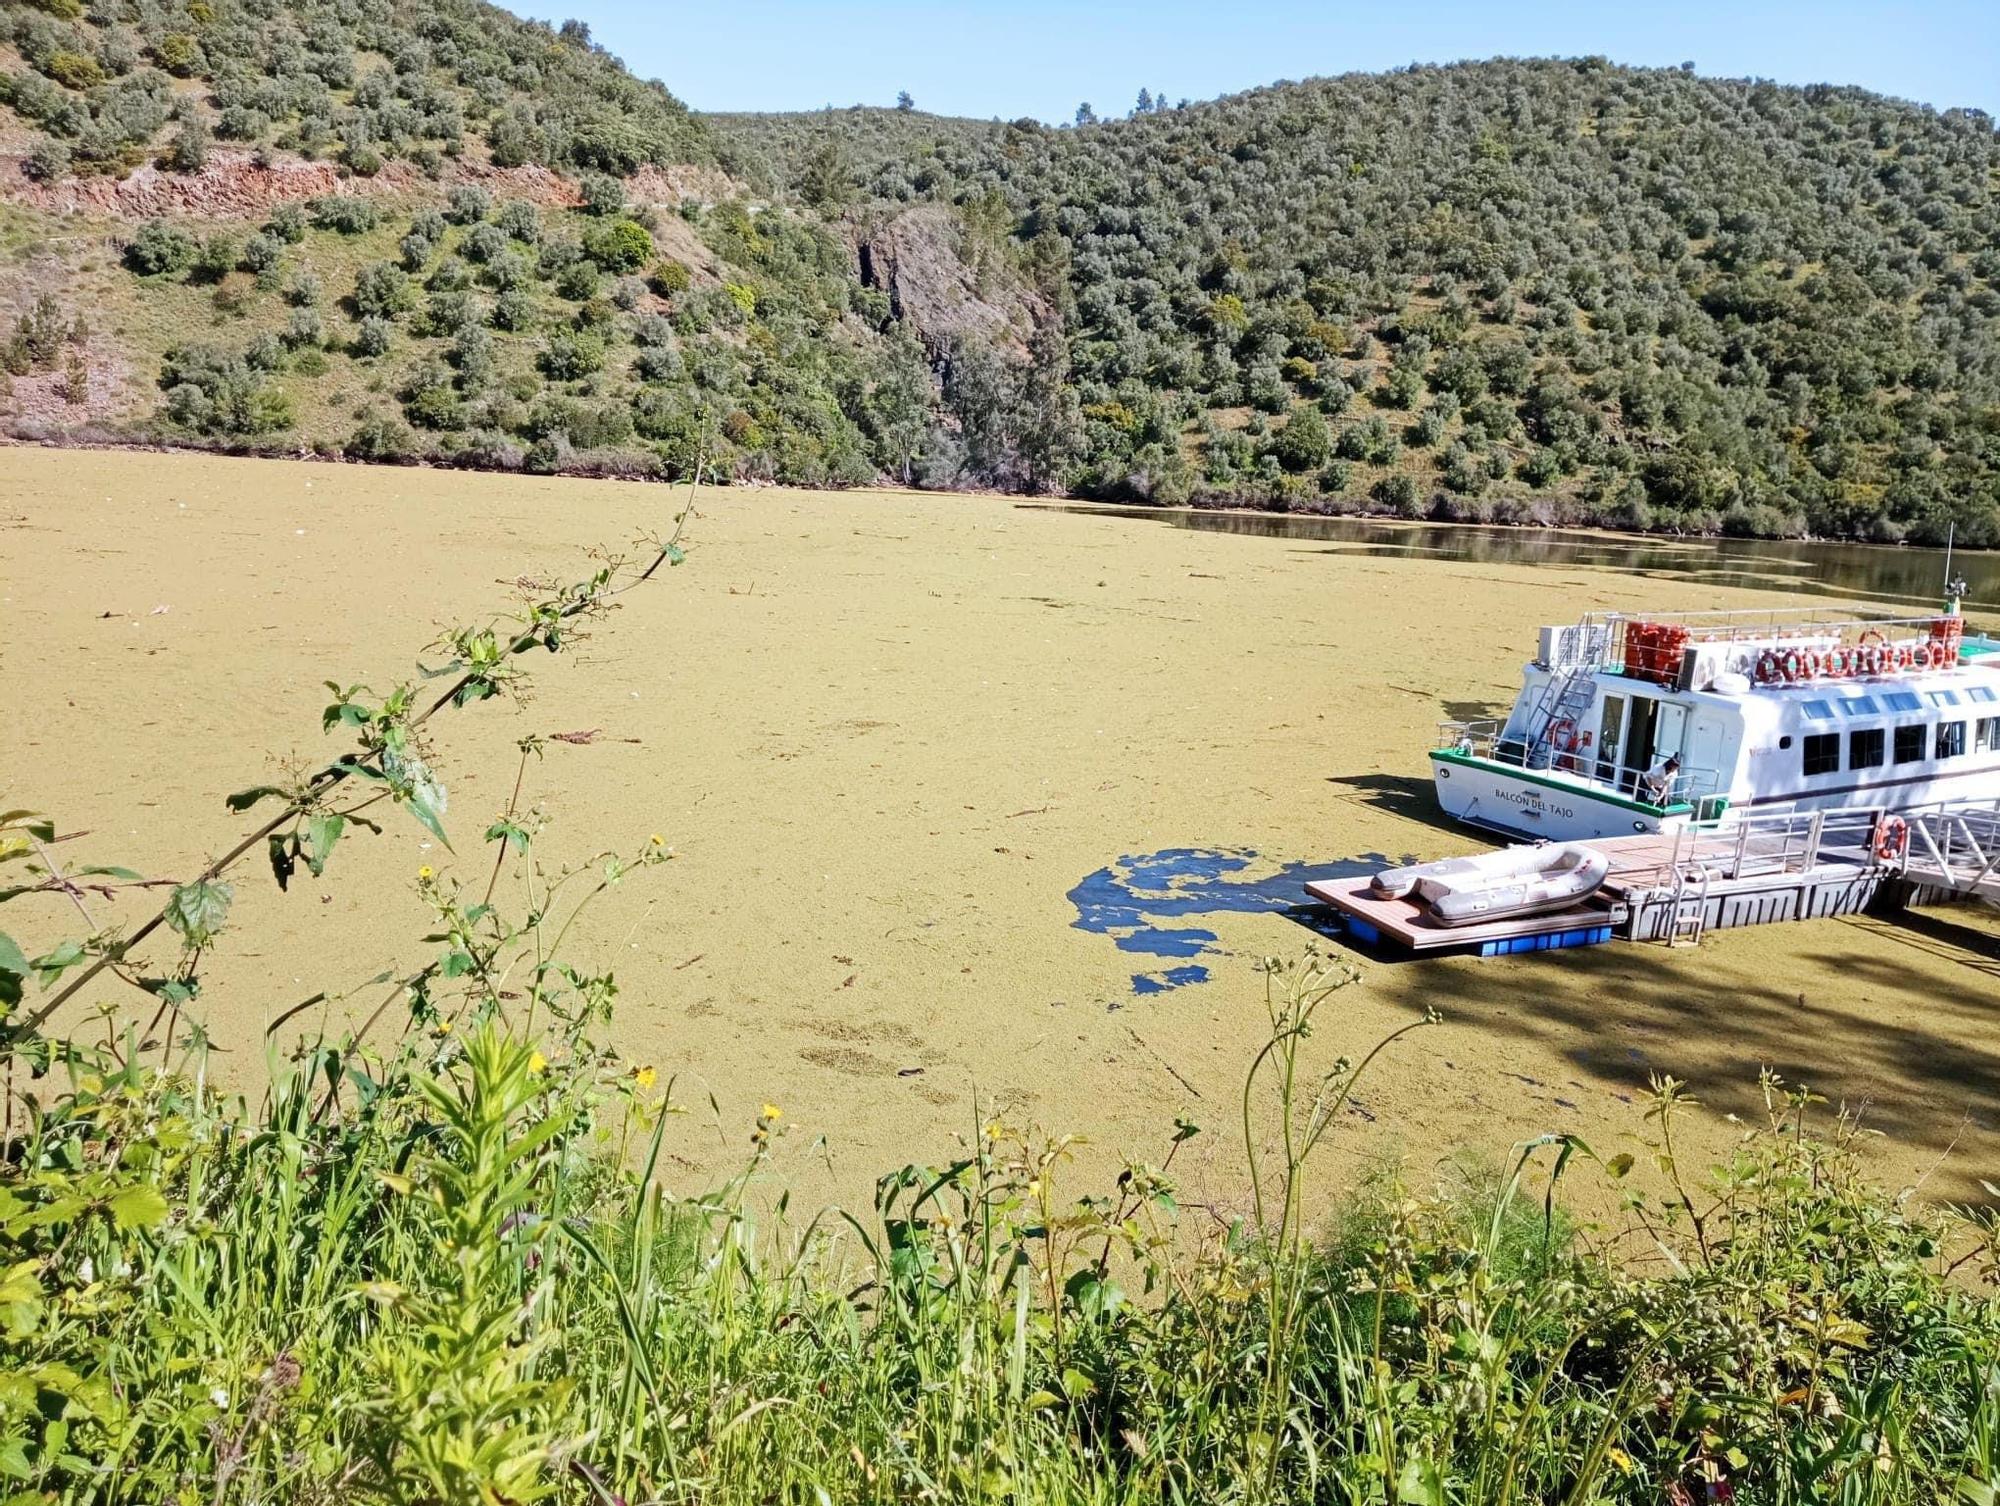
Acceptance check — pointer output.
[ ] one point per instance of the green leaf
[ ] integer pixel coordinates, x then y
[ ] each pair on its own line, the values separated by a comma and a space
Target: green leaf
139, 1206
242, 800
1977, 1492
198, 910
1094, 1296
103, 870
1420, 1484
457, 964
322, 831
1619, 1164
52, 965
413, 779
675, 554
34, 823
508, 832
280, 849
14, 967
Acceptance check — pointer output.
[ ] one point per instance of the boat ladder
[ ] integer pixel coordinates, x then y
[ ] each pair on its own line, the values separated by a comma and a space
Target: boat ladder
1690, 905
1565, 700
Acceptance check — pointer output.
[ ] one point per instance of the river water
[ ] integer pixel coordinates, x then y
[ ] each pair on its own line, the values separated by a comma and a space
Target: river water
1888, 575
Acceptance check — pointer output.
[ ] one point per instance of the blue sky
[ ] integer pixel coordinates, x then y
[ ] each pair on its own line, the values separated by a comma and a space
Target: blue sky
1038, 57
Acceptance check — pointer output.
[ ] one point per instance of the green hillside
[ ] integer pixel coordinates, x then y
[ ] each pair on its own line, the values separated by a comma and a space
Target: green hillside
1538, 291
1505, 289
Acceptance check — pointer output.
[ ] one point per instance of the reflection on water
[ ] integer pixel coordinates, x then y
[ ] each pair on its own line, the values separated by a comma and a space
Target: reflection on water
1892, 575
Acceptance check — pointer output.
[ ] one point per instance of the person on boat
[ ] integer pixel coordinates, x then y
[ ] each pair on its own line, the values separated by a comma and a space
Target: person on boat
1658, 781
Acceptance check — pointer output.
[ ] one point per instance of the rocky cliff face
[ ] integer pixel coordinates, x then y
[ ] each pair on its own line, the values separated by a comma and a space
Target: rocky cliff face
919, 259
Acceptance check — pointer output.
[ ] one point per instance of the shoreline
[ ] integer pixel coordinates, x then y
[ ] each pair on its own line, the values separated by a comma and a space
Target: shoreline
11, 438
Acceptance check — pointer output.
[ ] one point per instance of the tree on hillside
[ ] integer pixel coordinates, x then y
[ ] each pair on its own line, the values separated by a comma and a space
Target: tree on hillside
1085, 115
904, 102
1051, 417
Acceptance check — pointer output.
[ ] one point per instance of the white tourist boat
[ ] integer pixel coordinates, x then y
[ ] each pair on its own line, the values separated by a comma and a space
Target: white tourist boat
1628, 724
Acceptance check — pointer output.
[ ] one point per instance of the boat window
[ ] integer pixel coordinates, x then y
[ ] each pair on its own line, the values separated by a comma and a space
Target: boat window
1950, 739
1979, 693
1986, 736
1822, 753
1902, 700
1858, 705
1910, 743
1864, 748
1818, 711
1942, 697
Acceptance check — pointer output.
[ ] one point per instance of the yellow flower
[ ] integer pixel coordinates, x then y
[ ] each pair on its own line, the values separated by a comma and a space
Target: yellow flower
644, 1076
993, 1129
1035, 1187
657, 840
771, 1112
444, 1027
424, 874
537, 1064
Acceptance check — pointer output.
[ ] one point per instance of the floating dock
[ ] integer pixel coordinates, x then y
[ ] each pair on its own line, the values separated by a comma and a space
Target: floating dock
1674, 886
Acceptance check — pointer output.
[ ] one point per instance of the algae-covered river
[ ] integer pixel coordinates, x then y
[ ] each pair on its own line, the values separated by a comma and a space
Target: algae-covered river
976, 807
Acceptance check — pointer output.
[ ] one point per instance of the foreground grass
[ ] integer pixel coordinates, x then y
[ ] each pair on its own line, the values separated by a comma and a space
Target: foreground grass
452, 1275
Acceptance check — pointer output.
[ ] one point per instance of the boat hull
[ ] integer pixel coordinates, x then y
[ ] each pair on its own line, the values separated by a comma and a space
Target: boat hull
1524, 802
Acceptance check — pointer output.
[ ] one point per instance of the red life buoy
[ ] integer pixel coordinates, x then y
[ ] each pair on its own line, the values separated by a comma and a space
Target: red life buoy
1923, 656
1868, 659
1768, 667
1892, 838
1903, 657
1835, 662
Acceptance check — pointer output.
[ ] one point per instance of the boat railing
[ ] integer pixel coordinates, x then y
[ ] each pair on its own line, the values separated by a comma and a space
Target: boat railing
1792, 841
1485, 739
1598, 641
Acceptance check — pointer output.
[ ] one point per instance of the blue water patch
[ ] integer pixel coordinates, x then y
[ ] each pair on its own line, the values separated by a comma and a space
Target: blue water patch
1173, 977
1129, 900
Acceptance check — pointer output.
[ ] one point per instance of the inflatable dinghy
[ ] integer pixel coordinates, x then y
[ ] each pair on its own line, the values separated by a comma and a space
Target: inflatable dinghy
1499, 885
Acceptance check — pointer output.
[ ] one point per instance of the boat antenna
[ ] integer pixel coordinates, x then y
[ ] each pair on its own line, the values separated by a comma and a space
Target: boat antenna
1954, 586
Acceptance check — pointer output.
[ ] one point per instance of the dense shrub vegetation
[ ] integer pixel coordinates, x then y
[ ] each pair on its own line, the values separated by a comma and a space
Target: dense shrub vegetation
1520, 291
1678, 301
361, 81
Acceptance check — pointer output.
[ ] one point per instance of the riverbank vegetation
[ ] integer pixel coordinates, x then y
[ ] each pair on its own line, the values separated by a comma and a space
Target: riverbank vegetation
1515, 291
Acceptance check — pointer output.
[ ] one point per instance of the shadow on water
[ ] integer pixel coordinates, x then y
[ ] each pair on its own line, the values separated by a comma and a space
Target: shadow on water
1134, 900
1623, 1013
1896, 575
1405, 795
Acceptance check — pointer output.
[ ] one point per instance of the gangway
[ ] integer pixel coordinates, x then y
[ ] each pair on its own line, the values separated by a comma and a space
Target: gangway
1955, 848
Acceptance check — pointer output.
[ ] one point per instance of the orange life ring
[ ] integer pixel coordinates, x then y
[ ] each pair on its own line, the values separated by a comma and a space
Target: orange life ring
1769, 668
1903, 657
1792, 665
1892, 838
1923, 656
1835, 662
1869, 659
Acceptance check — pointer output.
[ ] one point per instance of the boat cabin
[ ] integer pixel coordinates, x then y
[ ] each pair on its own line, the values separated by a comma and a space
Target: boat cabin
1627, 725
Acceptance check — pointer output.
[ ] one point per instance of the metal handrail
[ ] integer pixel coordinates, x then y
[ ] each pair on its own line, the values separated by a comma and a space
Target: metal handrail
1481, 738
1787, 626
